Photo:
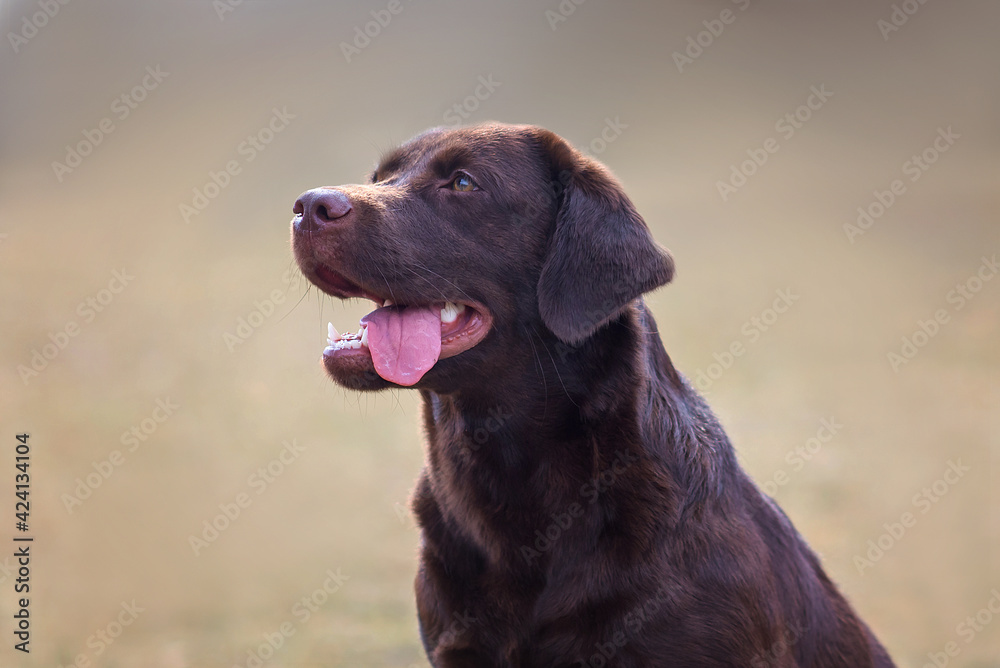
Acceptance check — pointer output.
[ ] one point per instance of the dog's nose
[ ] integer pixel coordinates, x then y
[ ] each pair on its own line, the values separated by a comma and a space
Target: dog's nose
318, 207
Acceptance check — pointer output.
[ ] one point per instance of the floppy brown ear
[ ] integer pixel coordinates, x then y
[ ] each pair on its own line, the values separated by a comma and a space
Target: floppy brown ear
601, 255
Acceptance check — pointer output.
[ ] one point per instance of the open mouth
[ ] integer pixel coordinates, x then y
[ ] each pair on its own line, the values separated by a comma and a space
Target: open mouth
403, 341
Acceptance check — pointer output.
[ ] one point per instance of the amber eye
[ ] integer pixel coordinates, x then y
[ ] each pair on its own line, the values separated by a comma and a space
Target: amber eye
463, 183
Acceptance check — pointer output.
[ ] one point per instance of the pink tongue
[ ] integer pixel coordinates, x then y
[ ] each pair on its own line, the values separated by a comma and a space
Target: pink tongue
405, 341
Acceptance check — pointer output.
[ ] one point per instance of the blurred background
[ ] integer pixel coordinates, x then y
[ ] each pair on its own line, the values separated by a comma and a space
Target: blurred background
825, 174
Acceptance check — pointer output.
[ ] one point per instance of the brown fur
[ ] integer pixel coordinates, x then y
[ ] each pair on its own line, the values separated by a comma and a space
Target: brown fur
581, 505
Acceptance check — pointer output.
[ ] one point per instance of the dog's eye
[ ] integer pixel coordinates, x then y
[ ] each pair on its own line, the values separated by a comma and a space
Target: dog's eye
463, 183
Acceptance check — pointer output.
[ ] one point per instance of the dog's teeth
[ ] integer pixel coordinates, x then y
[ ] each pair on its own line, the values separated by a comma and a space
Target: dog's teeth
450, 311
364, 336
388, 302
332, 332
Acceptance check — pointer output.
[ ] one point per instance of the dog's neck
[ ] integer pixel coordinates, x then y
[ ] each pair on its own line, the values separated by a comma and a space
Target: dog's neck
553, 396
492, 454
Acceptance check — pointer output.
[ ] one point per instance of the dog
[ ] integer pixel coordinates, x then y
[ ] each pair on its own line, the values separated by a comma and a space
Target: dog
580, 504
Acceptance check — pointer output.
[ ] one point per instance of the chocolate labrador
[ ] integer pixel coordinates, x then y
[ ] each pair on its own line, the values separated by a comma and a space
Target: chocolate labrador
581, 505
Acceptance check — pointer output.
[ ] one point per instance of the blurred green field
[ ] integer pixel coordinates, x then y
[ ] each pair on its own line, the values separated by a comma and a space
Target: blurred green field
184, 331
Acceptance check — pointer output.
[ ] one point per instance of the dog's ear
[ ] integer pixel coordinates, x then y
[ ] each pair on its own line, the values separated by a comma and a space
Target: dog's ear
601, 255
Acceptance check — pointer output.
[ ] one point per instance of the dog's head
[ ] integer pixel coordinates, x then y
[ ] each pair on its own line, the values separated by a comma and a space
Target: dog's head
471, 242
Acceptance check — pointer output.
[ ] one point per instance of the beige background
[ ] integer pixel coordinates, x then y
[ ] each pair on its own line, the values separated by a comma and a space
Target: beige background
341, 504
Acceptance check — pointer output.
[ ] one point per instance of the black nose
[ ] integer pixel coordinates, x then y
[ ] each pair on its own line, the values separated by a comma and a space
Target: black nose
318, 207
